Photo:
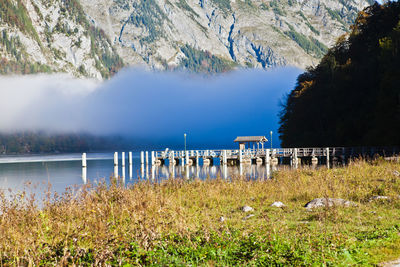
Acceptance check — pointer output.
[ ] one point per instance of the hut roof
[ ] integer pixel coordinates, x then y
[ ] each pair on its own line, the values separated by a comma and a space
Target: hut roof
244, 139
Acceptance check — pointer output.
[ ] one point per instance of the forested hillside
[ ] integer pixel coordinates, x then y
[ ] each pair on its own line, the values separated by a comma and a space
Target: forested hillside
40, 142
353, 96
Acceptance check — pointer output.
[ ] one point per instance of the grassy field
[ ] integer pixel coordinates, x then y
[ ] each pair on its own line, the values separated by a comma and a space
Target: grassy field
178, 222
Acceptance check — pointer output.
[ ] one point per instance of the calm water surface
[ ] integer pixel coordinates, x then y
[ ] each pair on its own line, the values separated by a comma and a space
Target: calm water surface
65, 170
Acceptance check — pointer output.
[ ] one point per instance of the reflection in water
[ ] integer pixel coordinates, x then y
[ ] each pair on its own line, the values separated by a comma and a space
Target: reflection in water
206, 171
63, 171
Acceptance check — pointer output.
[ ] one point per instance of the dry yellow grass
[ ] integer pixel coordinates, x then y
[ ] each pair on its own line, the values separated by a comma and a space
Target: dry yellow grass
147, 222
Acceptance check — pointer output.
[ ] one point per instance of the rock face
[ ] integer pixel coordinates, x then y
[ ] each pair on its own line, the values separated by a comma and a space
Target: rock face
53, 36
253, 33
89, 37
328, 202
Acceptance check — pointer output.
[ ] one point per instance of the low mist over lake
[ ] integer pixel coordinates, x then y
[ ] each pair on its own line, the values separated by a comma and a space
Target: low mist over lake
151, 107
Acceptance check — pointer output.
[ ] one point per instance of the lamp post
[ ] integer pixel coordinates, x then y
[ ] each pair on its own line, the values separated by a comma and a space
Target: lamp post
184, 135
271, 138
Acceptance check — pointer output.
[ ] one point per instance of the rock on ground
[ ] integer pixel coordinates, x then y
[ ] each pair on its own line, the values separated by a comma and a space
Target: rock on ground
328, 202
278, 204
379, 198
247, 208
248, 216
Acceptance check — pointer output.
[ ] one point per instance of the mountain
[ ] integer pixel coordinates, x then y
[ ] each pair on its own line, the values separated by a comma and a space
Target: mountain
95, 38
352, 97
53, 36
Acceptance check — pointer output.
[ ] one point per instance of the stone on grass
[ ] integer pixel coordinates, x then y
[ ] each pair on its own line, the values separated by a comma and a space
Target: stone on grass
248, 217
246, 208
379, 198
328, 202
278, 204
397, 173
222, 219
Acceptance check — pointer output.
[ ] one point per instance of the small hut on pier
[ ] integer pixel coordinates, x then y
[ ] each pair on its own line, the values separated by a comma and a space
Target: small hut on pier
251, 140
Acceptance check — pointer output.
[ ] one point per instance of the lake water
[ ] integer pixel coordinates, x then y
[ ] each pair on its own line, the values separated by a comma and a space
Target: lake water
64, 170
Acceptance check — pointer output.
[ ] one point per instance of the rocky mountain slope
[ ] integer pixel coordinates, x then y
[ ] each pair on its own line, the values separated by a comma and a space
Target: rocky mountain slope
53, 36
89, 38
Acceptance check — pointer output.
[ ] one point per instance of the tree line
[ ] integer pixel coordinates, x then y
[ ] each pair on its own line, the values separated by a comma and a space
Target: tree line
352, 97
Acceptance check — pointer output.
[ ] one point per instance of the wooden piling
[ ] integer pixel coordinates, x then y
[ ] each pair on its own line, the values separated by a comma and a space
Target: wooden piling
224, 159
327, 157
147, 158
130, 166
84, 168
116, 164
142, 157
123, 164
187, 158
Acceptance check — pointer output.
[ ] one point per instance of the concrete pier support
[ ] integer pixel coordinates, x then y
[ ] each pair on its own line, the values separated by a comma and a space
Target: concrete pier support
267, 157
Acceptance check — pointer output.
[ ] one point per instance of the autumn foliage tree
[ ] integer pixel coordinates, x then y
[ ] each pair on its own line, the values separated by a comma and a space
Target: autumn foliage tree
352, 98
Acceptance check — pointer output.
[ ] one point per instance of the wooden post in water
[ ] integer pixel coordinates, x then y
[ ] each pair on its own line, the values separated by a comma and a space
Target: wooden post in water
123, 164
116, 164
187, 171
142, 157
130, 166
267, 157
152, 158
224, 159
84, 168
327, 157
147, 158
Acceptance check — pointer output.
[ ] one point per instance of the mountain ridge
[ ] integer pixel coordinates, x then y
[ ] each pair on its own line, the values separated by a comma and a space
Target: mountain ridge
89, 38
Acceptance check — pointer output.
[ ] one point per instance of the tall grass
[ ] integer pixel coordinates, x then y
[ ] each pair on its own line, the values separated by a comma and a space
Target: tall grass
179, 222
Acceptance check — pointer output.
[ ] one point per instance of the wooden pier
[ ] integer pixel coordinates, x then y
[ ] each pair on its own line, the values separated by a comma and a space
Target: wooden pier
292, 156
